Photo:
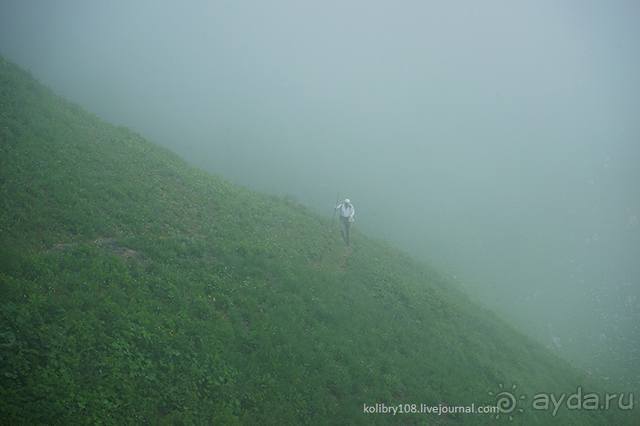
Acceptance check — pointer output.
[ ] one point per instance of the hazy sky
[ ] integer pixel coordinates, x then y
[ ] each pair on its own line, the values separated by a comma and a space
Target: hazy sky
498, 140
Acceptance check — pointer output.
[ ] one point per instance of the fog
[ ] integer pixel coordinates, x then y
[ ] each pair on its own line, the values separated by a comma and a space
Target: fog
495, 140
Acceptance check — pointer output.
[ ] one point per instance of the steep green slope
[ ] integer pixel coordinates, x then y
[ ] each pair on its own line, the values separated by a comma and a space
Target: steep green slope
135, 288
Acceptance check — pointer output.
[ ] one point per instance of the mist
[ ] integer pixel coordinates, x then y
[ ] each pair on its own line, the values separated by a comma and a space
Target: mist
495, 140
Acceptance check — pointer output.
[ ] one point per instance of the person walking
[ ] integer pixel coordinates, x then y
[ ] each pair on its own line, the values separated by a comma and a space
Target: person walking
347, 217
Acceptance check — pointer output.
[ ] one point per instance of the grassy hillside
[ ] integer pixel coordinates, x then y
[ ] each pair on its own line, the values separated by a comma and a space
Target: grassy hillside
137, 289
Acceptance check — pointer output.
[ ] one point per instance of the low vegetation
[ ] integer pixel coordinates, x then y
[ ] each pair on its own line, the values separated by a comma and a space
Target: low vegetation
136, 289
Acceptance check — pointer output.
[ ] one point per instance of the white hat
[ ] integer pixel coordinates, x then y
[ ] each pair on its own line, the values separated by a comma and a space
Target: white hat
347, 201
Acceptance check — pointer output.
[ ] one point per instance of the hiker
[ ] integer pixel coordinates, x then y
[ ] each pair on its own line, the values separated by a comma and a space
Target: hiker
347, 217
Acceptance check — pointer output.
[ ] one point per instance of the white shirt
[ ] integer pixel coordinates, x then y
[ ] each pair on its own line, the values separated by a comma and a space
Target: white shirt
347, 210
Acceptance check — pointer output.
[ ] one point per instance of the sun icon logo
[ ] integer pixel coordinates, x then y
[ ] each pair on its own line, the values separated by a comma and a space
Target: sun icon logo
508, 401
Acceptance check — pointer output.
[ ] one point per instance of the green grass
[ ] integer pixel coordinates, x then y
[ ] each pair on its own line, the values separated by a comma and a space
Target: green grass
137, 289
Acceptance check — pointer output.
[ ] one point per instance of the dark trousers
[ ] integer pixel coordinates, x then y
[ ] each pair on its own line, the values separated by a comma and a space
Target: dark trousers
346, 229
